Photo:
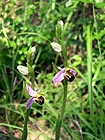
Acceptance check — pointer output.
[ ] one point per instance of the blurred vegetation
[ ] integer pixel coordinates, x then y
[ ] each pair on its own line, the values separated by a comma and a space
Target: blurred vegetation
28, 23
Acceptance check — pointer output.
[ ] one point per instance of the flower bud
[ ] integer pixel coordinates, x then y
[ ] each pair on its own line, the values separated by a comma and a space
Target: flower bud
59, 28
56, 47
31, 54
33, 50
22, 69
60, 23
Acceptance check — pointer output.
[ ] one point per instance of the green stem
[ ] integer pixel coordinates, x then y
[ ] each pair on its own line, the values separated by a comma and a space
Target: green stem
65, 98
64, 51
24, 135
56, 58
60, 116
65, 86
89, 69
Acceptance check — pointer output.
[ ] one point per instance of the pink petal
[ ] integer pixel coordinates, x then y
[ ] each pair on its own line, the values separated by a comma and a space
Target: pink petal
73, 71
59, 76
30, 102
31, 91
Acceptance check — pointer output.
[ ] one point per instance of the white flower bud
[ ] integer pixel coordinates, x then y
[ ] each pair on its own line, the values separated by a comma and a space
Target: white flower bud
61, 24
56, 47
22, 69
33, 50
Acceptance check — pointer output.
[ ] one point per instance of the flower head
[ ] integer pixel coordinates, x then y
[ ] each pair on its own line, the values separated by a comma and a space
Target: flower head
68, 74
34, 96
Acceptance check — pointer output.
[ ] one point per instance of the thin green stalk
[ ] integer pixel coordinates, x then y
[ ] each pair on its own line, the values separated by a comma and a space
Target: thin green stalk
60, 116
25, 12
65, 86
24, 135
63, 52
64, 55
89, 69
56, 58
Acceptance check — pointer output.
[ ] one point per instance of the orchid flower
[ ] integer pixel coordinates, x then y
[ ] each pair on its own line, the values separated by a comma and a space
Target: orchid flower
68, 74
34, 96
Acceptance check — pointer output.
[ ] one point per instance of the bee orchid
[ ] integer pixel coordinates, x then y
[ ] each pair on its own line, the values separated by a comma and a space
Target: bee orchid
68, 74
34, 96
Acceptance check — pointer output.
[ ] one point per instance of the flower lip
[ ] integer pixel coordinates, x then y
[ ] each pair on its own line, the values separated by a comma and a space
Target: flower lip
68, 74
40, 100
34, 96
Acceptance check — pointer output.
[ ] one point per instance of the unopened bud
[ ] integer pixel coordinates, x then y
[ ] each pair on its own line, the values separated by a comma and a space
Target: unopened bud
60, 23
31, 54
33, 50
59, 28
56, 47
22, 69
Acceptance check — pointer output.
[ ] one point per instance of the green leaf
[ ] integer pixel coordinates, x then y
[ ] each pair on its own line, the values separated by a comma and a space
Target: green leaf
100, 5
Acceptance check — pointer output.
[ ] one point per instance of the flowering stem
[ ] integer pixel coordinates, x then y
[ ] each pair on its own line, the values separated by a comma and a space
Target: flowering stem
60, 116
24, 135
64, 55
64, 98
65, 86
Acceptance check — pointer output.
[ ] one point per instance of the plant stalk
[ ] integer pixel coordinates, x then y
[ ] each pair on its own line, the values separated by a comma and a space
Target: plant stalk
65, 86
24, 135
89, 69
60, 116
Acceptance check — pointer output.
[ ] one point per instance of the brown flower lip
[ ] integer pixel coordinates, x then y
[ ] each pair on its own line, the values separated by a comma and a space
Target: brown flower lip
40, 100
69, 76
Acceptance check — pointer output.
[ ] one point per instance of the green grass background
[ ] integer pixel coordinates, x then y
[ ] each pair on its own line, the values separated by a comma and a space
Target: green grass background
28, 23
